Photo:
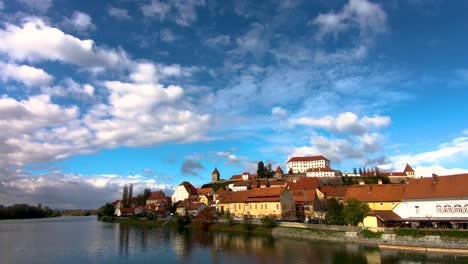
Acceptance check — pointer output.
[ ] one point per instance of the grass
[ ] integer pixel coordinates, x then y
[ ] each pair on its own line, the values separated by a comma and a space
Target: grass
421, 232
370, 234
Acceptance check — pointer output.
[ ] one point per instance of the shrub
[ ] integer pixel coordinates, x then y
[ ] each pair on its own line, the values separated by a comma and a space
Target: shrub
248, 225
268, 221
370, 234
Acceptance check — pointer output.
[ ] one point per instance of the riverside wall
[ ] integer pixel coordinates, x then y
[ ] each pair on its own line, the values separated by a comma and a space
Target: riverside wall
352, 234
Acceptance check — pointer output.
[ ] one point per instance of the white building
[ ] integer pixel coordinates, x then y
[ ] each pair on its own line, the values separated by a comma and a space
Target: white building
435, 199
302, 164
184, 191
321, 172
239, 186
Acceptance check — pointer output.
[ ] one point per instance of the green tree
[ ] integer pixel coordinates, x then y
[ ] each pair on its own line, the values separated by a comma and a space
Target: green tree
125, 197
147, 193
107, 210
269, 171
354, 211
130, 194
261, 170
334, 212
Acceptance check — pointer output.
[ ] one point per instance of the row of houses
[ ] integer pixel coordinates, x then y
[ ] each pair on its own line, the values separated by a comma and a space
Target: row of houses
433, 201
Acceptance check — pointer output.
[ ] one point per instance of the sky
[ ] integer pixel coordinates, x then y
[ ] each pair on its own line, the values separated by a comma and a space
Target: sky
98, 94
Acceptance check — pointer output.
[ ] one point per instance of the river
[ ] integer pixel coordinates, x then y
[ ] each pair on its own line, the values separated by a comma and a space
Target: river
85, 240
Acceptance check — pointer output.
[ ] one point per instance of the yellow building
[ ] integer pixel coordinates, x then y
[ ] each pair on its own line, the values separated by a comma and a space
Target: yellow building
259, 202
381, 198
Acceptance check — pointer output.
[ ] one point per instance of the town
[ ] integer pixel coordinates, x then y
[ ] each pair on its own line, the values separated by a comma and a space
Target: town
313, 192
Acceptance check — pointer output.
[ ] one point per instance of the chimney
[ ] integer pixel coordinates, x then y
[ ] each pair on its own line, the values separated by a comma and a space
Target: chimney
379, 181
434, 178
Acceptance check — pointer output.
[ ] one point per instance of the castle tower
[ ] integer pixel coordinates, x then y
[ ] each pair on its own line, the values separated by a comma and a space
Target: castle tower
215, 175
279, 172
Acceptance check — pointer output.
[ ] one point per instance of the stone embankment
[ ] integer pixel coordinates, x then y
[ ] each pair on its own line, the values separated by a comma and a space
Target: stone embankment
354, 235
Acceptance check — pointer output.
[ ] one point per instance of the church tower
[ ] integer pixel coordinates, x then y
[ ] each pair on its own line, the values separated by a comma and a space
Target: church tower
215, 175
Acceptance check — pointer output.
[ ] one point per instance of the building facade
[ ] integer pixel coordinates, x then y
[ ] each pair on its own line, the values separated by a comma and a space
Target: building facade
302, 164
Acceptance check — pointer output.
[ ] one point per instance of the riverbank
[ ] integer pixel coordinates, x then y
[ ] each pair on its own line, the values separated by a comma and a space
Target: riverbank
450, 241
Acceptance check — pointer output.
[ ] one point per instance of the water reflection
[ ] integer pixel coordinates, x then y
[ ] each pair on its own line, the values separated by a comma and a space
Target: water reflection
85, 240
191, 246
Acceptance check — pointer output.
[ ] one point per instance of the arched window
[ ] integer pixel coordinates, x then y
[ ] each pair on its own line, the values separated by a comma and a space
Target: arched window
447, 209
457, 209
439, 209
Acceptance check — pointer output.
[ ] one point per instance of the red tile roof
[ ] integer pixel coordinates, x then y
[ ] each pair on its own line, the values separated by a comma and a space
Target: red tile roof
279, 170
312, 158
221, 190
306, 183
333, 191
194, 206
242, 183
392, 173
376, 192
215, 172
256, 195
236, 177
384, 215
408, 168
304, 195
208, 190
127, 210
452, 186
156, 195
189, 187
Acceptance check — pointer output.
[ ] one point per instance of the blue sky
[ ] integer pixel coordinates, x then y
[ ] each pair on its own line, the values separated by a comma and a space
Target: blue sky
98, 94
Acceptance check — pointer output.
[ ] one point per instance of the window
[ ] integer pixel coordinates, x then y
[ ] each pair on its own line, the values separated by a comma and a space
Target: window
255, 206
417, 209
261, 206
381, 203
266, 206
447, 209
277, 206
465, 209
439, 209
457, 209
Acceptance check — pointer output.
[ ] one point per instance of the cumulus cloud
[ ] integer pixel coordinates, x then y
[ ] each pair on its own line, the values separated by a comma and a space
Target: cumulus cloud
349, 137
36, 41
455, 150
191, 167
68, 191
118, 13
80, 22
71, 89
346, 122
369, 18
30, 76
182, 12
37, 5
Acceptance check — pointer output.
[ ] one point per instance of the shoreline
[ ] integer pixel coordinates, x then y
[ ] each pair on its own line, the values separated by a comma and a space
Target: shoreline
334, 233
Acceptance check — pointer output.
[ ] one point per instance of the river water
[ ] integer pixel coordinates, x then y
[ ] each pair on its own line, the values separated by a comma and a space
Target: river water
85, 240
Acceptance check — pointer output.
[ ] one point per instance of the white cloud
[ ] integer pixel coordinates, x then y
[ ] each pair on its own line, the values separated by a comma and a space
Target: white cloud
28, 75
38, 5
71, 89
426, 171
279, 112
221, 40
346, 122
118, 13
80, 22
369, 18
68, 191
455, 150
182, 12
167, 35
2, 5
36, 41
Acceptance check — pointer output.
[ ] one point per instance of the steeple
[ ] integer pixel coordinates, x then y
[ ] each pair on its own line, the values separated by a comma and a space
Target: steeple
215, 175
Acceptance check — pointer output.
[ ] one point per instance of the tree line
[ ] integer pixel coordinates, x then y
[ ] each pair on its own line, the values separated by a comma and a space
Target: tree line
127, 196
24, 211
